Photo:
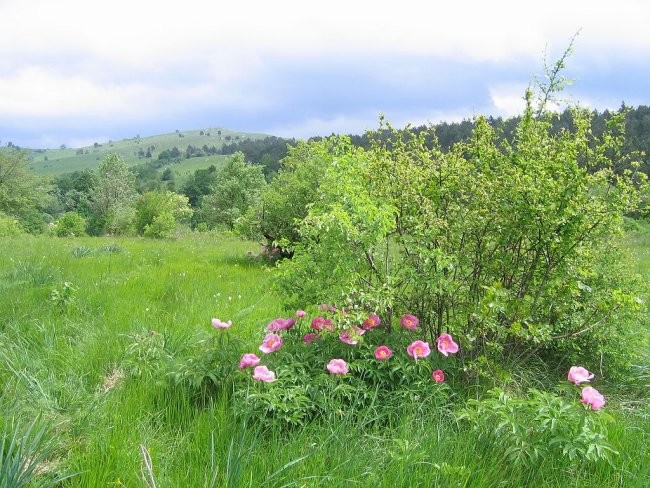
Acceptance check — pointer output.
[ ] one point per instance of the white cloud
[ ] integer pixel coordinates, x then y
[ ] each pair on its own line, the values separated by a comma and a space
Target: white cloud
508, 99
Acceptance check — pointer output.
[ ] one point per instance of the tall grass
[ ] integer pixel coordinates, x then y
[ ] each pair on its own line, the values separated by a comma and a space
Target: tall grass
65, 358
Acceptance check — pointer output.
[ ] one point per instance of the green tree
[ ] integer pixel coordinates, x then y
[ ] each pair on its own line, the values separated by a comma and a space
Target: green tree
22, 193
112, 197
238, 186
284, 203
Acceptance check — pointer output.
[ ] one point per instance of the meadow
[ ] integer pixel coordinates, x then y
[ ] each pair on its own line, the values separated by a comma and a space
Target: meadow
90, 326
55, 162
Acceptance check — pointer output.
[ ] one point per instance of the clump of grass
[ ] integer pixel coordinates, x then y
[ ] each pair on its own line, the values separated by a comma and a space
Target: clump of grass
82, 251
111, 249
34, 273
25, 456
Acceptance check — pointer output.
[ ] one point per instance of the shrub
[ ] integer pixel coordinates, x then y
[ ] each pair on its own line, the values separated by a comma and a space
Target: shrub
150, 208
9, 226
70, 224
510, 246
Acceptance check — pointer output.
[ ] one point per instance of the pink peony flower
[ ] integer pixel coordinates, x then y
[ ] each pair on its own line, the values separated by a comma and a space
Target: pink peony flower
300, 313
351, 336
578, 374
262, 373
438, 376
281, 324
337, 366
383, 352
311, 337
447, 345
321, 323
409, 321
272, 342
248, 360
371, 322
592, 397
418, 349
218, 324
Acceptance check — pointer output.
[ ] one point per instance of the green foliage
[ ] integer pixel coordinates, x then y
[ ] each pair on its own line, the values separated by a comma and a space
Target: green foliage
163, 225
238, 185
112, 197
157, 213
526, 430
506, 245
286, 200
9, 226
70, 224
22, 193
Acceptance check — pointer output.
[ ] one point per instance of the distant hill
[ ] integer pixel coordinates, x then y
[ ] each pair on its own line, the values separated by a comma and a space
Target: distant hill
139, 150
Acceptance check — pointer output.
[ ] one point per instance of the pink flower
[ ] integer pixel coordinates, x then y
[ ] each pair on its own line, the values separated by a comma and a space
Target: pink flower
311, 337
323, 307
371, 322
300, 313
447, 345
218, 324
351, 336
262, 373
591, 396
337, 366
321, 323
578, 374
272, 342
281, 324
438, 376
409, 321
383, 352
418, 349
248, 360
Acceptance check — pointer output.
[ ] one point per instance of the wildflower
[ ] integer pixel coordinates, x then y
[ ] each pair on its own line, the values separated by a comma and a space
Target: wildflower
409, 321
300, 313
447, 345
262, 373
418, 349
371, 322
438, 376
281, 324
248, 360
592, 397
321, 323
337, 366
383, 352
272, 342
218, 324
578, 374
311, 337
351, 336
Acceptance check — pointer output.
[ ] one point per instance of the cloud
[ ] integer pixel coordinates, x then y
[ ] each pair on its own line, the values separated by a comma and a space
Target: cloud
146, 66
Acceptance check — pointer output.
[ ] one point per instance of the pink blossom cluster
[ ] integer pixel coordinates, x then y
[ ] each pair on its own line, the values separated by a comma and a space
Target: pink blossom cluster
590, 396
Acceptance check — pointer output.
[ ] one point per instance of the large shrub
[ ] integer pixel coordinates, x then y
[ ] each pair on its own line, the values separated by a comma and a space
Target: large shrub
157, 213
510, 246
70, 224
9, 226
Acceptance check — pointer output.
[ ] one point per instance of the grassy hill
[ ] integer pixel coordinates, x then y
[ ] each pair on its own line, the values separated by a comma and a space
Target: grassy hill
53, 162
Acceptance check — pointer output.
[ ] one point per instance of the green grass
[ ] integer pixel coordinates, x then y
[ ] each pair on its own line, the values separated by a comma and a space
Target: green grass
66, 160
70, 362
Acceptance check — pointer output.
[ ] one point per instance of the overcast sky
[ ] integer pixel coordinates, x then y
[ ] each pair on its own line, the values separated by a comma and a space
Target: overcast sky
78, 71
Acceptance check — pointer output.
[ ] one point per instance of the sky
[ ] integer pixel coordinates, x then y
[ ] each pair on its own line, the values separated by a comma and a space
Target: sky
76, 72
